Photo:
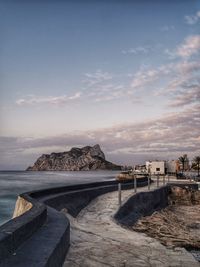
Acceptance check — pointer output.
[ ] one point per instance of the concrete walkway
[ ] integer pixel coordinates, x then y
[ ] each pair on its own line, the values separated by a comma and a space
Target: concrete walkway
96, 240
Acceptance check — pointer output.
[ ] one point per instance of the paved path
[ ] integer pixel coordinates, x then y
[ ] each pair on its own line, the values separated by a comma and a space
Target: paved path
96, 240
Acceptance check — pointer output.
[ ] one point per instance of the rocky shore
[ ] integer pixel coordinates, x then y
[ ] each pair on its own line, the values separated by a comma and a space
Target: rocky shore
178, 225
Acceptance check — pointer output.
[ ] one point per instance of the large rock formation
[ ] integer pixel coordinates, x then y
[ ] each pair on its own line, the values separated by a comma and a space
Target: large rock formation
77, 159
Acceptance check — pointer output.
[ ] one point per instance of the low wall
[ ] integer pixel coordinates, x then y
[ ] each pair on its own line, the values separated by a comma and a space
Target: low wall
145, 203
41, 236
142, 204
16, 231
78, 197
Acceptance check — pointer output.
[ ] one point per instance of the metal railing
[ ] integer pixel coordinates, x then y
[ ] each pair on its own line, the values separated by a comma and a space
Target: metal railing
161, 180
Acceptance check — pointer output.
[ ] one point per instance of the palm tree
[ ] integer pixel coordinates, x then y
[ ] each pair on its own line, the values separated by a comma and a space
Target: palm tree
196, 163
183, 160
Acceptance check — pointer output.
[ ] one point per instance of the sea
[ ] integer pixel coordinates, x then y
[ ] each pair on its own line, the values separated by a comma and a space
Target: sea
12, 183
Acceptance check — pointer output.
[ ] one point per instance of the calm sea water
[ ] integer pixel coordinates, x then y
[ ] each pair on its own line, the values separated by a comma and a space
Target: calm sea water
13, 183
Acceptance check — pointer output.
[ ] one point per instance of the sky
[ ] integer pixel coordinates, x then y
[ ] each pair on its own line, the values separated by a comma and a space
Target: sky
123, 74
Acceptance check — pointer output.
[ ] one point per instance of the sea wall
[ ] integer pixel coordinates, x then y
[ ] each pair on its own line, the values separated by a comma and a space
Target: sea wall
40, 235
77, 199
16, 231
142, 204
145, 203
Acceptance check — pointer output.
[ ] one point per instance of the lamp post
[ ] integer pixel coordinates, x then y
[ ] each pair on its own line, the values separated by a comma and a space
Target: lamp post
158, 180
149, 180
135, 183
119, 194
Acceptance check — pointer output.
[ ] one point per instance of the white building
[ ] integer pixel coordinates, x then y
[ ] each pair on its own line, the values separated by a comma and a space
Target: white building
162, 167
156, 167
148, 166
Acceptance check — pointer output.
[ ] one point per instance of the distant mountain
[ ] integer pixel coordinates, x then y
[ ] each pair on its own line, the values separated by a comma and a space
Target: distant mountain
77, 159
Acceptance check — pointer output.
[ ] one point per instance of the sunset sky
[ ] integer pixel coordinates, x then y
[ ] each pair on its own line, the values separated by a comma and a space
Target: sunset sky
124, 74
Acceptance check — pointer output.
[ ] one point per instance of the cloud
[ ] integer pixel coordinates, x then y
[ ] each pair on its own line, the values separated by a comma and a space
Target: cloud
97, 77
177, 72
138, 50
113, 94
112, 91
103, 87
182, 82
170, 54
50, 100
167, 28
100, 93
148, 77
75, 96
191, 46
187, 97
109, 92
142, 79
187, 67
183, 87
166, 137
142, 49
192, 19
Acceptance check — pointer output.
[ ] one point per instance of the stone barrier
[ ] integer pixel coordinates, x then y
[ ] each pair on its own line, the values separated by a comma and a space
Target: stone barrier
145, 203
142, 204
16, 231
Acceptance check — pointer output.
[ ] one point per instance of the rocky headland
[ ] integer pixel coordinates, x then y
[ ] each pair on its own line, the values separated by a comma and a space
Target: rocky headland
77, 159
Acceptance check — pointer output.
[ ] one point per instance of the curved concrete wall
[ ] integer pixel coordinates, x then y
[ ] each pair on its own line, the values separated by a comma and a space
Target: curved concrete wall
41, 236
80, 196
142, 204
145, 203
19, 229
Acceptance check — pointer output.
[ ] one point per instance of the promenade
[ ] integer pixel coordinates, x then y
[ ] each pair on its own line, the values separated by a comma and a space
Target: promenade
96, 240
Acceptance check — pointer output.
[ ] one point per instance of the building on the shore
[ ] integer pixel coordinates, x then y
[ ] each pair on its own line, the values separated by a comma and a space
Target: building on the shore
172, 166
156, 167
163, 167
